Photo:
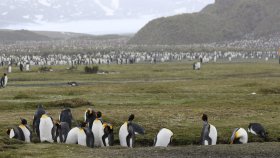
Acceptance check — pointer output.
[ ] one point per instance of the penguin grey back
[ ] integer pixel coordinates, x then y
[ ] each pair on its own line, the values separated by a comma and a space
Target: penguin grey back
258, 129
108, 133
130, 139
205, 134
89, 137
137, 128
66, 116
60, 130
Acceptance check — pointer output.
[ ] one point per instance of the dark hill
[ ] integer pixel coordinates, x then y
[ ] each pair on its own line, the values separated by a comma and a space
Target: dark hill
224, 20
21, 35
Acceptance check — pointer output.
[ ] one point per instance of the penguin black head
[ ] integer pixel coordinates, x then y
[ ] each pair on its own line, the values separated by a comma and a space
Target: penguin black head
5, 74
98, 114
204, 117
83, 124
131, 117
8, 131
108, 128
66, 109
57, 123
39, 106
89, 111
23, 121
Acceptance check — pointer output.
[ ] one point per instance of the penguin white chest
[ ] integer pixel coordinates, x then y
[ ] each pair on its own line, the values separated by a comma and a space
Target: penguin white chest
252, 131
163, 138
26, 133
45, 128
123, 133
98, 132
72, 137
82, 137
12, 133
213, 134
243, 135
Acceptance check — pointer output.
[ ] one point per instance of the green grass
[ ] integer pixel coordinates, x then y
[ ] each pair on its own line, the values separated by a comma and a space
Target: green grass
168, 95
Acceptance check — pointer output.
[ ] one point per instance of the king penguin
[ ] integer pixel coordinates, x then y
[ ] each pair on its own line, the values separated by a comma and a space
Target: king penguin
108, 136
257, 129
66, 116
97, 130
21, 132
89, 117
72, 137
45, 129
127, 132
239, 136
36, 119
163, 138
60, 131
85, 136
209, 132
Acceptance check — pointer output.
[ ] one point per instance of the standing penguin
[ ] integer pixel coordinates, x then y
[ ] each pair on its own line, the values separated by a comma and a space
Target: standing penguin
36, 119
45, 128
66, 116
10, 68
4, 81
257, 129
97, 130
108, 136
163, 138
90, 116
239, 136
127, 132
85, 136
21, 132
27, 66
60, 131
208, 133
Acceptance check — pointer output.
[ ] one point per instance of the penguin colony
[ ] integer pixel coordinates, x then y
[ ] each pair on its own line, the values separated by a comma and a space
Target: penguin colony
93, 131
25, 62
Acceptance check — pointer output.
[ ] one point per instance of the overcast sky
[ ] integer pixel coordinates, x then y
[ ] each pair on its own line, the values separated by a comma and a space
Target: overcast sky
91, 16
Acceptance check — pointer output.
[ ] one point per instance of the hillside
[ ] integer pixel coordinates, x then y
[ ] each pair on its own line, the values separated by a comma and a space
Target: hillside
26, 35
222, 21
21, 35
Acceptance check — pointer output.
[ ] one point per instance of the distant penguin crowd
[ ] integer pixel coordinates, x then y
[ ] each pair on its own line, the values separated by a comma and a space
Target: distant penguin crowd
93, 131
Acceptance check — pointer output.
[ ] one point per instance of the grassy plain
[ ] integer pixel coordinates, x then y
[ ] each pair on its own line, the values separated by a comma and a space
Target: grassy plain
169, 95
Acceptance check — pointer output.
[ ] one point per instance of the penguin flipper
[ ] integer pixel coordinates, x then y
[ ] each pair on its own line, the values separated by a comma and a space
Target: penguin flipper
103, 139
155, 141
138, 129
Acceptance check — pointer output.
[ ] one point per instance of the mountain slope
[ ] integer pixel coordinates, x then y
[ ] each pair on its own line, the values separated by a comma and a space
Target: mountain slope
222, 21
21, 35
